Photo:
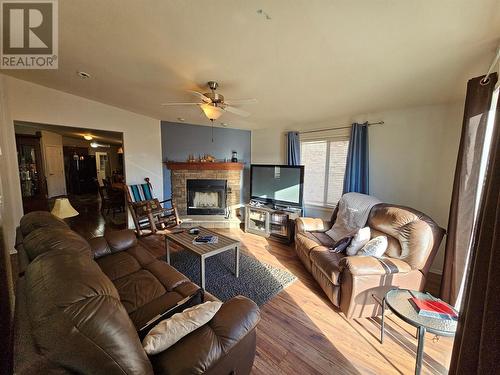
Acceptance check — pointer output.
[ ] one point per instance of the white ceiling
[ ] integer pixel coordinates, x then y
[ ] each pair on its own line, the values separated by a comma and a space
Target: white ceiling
312, 61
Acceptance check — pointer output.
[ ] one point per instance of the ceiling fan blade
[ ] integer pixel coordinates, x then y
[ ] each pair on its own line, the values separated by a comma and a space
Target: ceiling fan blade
240, 101
236, 111
201, 96
168, 104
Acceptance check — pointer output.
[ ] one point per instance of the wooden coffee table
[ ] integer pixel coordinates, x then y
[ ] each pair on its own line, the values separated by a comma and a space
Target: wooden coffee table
204, 251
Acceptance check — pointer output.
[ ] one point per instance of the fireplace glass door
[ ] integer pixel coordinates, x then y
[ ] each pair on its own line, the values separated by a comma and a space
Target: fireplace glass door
206, 197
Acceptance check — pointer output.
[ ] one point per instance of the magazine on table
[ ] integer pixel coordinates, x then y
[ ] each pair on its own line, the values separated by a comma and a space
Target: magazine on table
200, 240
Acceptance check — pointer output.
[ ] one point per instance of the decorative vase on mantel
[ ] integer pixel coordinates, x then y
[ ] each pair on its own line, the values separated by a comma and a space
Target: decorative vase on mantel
234, 157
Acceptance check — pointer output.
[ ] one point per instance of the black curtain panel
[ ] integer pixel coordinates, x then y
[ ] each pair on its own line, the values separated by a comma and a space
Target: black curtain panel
465, 186
477, 344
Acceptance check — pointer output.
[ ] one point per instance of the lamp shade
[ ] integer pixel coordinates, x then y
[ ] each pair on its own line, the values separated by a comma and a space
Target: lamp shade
63, 209
211, 111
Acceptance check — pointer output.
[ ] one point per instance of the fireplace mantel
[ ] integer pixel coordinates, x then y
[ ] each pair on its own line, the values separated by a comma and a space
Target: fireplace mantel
200, 166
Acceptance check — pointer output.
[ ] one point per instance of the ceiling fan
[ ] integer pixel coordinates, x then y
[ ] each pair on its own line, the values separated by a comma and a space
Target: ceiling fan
214, 105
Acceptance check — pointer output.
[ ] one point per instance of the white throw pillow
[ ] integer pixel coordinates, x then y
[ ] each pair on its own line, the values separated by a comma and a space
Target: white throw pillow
376, 247
359, 240
169, 331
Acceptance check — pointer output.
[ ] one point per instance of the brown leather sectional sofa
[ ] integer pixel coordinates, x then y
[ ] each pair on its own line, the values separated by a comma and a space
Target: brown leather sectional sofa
79, 306
351, 281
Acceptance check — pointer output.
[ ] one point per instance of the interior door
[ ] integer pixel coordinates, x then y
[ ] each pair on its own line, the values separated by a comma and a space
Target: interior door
56, 183
101, 161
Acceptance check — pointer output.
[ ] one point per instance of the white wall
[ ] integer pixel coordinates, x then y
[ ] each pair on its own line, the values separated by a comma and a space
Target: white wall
34, 103
9, 176
412, 157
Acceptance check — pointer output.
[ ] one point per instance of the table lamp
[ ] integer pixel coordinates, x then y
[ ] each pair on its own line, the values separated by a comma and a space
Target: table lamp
63, 209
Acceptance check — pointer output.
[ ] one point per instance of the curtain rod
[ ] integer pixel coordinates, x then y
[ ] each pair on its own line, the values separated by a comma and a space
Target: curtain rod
343, 127
492, 66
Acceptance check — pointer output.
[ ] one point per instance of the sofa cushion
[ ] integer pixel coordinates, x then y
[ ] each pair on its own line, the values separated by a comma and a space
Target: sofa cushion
376, 247
46, 239
166, 274
137, 289
39, 219
74, 308
321, 238
118, 265
327, 262
359, 240
306, 241
146, 285
163, 303
167, 332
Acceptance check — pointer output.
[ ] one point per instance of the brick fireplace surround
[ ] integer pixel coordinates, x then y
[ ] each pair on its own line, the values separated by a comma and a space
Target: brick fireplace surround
231, 172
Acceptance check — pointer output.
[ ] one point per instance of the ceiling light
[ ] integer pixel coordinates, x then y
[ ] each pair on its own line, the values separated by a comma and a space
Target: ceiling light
95, 145
83, 75
223, 124
88, 137
181, 119
212, 112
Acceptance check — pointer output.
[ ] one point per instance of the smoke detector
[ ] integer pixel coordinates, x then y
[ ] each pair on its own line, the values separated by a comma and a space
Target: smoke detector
83, 75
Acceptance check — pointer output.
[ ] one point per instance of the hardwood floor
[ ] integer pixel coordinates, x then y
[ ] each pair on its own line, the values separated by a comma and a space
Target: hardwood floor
300, 331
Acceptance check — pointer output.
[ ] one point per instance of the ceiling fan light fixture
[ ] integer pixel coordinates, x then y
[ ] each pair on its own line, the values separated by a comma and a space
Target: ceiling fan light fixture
212, 112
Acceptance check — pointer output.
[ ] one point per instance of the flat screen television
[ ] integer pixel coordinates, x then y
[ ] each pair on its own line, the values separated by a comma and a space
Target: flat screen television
277, 184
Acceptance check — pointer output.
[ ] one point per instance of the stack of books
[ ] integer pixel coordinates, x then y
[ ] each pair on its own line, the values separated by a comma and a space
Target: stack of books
205, 240
433, 308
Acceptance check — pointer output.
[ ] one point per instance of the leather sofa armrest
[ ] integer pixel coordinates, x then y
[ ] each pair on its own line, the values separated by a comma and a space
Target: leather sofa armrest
309, 224
234, 320
367, 265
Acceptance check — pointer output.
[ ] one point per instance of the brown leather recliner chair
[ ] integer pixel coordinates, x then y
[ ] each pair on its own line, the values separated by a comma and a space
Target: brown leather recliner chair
79, 305
351, 281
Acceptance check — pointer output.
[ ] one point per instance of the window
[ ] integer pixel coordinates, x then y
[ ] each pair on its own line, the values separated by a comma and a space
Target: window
325, 162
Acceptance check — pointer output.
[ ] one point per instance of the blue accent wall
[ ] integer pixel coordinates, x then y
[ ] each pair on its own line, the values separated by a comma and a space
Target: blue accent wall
178, 140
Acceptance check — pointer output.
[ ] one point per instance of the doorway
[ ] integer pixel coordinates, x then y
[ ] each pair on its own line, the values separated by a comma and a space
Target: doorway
102, 166
86, 165
56, 182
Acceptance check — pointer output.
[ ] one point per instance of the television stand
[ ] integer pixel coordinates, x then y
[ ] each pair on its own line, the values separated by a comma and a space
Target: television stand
275, 223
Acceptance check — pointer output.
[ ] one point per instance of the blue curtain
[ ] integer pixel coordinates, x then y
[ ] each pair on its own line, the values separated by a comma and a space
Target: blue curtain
356, 172
293, 148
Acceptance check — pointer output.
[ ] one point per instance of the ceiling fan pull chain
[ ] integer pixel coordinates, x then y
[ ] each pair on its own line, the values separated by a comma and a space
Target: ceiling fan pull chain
212, 121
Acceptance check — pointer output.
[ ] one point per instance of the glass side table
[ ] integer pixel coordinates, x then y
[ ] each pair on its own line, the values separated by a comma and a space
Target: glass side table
397, 300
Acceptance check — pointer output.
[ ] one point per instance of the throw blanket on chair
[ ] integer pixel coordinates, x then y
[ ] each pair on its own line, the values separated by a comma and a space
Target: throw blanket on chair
353, 211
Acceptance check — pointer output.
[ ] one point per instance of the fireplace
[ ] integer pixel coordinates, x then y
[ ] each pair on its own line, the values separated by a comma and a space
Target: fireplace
206, 197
